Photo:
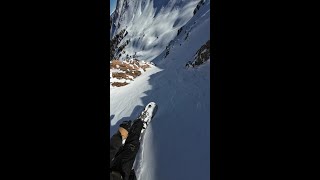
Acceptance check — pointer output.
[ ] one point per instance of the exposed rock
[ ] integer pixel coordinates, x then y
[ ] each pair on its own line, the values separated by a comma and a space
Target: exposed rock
186, 36
198, 6
126, 71
201, 56
114, 43
118, 84
179, 30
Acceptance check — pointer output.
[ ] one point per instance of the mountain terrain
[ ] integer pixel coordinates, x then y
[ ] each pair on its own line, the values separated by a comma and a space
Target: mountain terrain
166, 42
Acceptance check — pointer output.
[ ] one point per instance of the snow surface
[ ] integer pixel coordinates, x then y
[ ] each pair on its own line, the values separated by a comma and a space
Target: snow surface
176, 144
150, 24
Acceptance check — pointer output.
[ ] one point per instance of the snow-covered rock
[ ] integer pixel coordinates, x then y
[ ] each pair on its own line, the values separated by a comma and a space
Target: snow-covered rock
150, 24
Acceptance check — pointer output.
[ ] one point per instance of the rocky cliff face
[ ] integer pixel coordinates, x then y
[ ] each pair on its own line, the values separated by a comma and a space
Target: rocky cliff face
201, 56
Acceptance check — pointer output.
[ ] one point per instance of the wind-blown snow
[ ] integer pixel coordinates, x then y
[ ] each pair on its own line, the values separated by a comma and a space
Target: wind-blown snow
176, 144
150, 24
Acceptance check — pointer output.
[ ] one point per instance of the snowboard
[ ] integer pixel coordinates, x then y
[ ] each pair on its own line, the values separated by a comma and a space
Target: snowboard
147, 114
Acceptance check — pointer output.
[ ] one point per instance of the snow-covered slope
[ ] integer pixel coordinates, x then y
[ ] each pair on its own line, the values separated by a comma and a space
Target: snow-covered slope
150, 24
177, 142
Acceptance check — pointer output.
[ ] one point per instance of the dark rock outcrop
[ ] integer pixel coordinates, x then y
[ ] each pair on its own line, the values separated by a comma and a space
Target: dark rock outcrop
201, 56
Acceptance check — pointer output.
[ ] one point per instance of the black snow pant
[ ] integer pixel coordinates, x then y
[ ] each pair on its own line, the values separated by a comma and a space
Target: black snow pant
122, 157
